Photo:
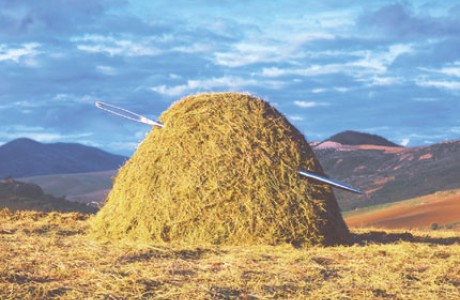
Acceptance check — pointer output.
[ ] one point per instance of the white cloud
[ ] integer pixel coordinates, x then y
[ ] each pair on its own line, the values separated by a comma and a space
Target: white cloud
15, 54
425, 99
383, 81
404, 142
377, 129
125, 49
318, 91
246, 53
367, 63
341, 89
306, 104
171, 91
70, 98
22, 105
455, 129
377, 62
226, 82
267, 49
123, 147
275, 72
448, 85
313, 70
114, 46
195, 48
107, 70
300, 39
295, 118
8, 133
425, 136
451, 71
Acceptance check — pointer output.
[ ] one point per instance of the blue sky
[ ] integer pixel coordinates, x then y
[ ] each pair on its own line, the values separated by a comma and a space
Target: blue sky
384, 67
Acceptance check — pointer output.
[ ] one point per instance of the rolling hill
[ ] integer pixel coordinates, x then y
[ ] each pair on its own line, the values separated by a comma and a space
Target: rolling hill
388, 173
351, 138
18, 195
434, 211
25, 157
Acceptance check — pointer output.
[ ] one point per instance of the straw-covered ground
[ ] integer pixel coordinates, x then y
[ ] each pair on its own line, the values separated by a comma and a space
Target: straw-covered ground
50, 256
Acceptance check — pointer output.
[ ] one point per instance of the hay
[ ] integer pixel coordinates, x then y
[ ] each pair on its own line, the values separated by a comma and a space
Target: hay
222, 170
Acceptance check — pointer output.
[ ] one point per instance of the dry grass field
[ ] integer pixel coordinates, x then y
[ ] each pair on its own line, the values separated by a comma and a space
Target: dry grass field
50, 256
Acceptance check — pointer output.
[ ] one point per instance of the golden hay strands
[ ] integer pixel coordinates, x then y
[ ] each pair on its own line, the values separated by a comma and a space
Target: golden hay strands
222, 170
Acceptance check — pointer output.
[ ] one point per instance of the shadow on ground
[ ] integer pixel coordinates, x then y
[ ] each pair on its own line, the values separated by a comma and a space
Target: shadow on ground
381, 237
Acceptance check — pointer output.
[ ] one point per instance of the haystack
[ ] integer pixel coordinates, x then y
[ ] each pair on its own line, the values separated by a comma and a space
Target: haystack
223, 170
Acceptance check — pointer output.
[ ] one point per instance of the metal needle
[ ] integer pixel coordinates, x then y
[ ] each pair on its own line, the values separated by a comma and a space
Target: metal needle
127, 114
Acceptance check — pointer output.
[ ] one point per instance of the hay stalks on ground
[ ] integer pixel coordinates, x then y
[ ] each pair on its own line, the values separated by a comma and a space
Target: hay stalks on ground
49, 256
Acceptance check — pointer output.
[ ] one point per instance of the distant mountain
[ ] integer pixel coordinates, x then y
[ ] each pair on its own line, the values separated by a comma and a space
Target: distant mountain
390, 173
25, 157
353, 138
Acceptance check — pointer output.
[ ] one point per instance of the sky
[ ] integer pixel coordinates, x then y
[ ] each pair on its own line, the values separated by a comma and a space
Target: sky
390, 68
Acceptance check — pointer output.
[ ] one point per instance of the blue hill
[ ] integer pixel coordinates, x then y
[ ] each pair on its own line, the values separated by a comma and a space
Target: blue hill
25, 157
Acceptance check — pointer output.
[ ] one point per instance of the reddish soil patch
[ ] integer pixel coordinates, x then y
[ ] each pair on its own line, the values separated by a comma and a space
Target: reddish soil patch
386, 149
371, 191
384, 180
426, 156
437, 208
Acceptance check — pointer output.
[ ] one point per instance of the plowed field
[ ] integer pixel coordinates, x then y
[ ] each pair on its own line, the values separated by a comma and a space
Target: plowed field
441, 208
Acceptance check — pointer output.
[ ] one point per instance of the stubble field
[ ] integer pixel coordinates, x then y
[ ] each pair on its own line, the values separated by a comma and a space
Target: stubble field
50, 256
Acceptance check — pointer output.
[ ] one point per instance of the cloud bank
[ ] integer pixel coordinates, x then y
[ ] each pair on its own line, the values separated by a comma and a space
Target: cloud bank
329, 66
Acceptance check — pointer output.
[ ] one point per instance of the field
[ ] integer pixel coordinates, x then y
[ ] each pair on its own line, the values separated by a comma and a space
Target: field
441, 209
82, 187
50, 256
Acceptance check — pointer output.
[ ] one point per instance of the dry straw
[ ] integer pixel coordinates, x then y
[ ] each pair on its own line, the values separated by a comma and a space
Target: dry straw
223, 170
